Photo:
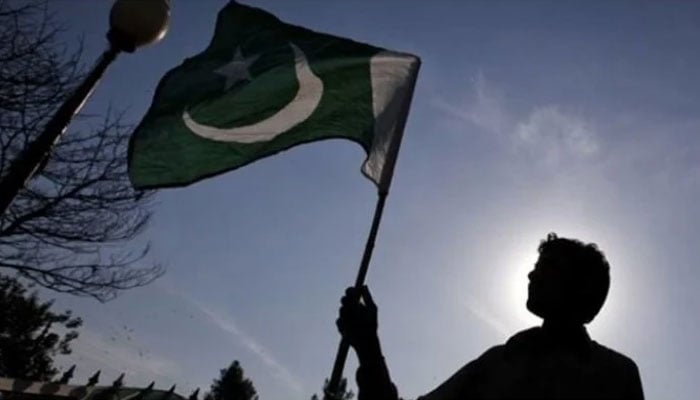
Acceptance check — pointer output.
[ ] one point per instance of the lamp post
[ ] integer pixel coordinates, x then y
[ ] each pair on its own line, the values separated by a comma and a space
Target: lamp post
133, 24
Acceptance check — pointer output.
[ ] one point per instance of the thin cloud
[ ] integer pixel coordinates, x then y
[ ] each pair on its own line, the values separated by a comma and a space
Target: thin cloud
552, 134
482, 108
486, 316
548, 133
229, 326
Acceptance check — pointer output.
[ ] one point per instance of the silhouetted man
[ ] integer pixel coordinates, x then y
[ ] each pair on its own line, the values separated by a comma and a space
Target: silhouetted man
558, 360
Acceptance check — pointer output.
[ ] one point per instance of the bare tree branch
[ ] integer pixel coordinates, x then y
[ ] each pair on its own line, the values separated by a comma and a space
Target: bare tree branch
69, 228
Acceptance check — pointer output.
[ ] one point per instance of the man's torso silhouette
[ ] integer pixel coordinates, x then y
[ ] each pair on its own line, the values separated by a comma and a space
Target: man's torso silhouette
536, 363
567, 288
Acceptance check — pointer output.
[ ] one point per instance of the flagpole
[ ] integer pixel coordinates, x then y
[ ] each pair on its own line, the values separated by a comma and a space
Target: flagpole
331, 392
344, 347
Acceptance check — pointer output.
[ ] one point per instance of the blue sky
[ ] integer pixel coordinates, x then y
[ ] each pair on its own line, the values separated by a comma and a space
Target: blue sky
529, 117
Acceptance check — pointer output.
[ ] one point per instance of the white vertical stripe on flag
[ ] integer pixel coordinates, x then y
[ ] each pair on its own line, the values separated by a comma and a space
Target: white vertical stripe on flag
393, 77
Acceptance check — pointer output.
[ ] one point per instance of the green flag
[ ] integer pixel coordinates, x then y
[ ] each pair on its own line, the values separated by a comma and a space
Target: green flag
263, 86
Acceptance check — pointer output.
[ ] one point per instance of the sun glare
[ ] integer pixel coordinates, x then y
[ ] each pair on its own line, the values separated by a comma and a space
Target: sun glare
518, 262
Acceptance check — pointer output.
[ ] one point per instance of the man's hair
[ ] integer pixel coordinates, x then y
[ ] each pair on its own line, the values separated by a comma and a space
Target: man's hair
589, 268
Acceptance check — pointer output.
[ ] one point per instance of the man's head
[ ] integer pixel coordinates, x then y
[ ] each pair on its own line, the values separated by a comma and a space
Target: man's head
570, 281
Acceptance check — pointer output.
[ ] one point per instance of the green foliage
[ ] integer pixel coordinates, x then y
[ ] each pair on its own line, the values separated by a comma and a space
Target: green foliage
344, 393
28, 341
232, 385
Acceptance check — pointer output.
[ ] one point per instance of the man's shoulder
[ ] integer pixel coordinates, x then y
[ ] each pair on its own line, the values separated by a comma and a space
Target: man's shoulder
617, 370
529, 341
517, 342
526, 335
606, 351
493, 353
522, 339
517, 368
611, 357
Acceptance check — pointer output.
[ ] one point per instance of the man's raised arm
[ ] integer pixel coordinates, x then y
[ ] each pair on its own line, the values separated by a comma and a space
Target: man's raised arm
358, 325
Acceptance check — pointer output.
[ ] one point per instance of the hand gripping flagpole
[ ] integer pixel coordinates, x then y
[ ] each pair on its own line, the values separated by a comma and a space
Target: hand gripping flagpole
331, 392
344, 347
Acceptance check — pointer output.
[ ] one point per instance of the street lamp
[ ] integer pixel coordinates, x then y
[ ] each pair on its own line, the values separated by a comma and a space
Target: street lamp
136, 23
133, 24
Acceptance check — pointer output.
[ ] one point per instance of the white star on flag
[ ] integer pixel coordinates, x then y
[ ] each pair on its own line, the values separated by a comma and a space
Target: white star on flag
237, 69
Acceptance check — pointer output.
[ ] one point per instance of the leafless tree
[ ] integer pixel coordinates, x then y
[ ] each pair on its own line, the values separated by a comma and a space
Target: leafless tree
70, 229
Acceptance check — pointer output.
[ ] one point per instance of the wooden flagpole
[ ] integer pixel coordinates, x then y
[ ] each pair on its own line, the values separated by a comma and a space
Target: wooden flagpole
344, 347
331, 392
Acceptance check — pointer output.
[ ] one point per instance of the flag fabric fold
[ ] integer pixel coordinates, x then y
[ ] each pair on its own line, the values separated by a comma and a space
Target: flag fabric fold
263, 86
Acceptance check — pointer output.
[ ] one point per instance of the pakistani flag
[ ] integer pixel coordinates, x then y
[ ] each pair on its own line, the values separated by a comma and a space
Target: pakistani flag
263, 86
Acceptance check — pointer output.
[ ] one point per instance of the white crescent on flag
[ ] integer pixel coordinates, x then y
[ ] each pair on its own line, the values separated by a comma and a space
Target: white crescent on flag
295, 112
